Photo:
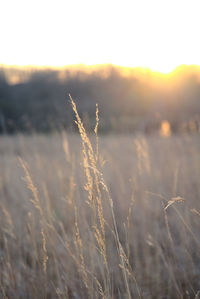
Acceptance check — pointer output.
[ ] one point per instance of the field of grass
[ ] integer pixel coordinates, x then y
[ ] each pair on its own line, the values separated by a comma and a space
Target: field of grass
118, 220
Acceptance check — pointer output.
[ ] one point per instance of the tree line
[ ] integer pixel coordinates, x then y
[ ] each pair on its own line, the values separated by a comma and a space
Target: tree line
130, 100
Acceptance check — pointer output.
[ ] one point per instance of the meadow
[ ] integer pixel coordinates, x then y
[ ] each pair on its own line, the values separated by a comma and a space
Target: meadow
88, 216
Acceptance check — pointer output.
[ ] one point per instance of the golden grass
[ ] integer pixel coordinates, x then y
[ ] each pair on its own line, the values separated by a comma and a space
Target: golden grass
90, 217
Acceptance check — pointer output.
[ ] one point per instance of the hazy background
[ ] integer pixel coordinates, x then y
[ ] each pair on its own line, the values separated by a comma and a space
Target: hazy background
34, 99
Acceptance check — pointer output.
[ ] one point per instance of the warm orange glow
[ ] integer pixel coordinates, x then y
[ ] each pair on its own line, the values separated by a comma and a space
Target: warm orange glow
160, 81
165, 129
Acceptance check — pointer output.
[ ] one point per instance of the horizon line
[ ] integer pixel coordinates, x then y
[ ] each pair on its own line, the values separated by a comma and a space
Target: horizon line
84, 65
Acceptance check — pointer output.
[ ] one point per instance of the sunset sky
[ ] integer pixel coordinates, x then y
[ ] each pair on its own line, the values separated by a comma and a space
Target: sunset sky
158, 34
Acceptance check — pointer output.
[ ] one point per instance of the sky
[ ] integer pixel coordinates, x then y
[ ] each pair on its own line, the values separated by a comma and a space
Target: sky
157, 34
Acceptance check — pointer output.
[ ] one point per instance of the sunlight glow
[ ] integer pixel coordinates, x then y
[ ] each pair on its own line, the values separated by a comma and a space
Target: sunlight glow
165, 129
148, 33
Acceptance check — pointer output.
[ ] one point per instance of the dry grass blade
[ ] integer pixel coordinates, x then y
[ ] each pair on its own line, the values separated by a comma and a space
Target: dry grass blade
177, 199
194, 211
